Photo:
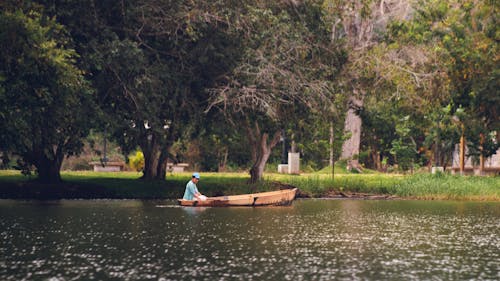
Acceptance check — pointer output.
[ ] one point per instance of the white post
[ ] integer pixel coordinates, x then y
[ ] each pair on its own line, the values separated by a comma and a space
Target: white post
293, 163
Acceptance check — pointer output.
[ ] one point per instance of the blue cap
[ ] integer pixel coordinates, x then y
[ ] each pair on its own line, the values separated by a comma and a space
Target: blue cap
196, 175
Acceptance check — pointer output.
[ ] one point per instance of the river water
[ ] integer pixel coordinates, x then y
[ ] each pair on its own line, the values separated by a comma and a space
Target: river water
310, 240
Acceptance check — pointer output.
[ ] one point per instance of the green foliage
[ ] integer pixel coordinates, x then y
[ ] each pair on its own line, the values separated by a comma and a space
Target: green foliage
281, 67
48, 107
312, 135
434, 66
378, 130
224, 148
154, 67
284, 74
136, 161
150, 68
462, 36
404, 147
442, 134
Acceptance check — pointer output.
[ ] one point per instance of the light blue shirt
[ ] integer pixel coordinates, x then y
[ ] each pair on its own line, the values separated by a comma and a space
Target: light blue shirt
191, 190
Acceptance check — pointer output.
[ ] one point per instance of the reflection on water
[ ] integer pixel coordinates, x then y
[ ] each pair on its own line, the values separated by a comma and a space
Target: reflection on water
194, 211
310, 240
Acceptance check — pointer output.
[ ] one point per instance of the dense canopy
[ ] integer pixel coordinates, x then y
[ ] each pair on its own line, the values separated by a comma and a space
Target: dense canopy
221, 83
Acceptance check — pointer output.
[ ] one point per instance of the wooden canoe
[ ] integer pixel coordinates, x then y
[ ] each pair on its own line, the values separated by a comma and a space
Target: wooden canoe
279, 197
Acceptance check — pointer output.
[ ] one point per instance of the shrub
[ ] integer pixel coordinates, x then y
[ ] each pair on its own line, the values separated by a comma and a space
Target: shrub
136, 161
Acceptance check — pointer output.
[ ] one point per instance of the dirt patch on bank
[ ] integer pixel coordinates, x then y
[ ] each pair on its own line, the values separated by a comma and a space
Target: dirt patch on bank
358, 195
335, 194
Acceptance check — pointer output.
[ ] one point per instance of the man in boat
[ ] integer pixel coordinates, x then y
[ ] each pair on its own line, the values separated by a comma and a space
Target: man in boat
191, 192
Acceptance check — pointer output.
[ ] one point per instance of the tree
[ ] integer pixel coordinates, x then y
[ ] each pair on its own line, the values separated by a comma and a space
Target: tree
224, 145
283, 66
470, 38
408, 81
441, 135
150, 62
358, 24
311, 135
378, 133
47, 106
461, 36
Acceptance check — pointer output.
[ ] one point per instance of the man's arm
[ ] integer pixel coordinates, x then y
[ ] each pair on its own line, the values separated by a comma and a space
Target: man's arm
200, 196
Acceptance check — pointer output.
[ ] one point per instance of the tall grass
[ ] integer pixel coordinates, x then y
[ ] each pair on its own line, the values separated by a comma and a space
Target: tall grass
443, 186
420, 186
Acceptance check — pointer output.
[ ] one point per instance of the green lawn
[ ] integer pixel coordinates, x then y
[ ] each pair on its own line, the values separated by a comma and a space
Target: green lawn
89, 184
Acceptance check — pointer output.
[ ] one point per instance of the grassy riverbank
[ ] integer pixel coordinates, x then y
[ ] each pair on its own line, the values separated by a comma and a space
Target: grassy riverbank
419, 186
127, 185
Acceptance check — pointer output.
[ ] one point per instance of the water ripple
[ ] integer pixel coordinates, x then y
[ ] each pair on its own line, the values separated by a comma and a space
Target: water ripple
311, 240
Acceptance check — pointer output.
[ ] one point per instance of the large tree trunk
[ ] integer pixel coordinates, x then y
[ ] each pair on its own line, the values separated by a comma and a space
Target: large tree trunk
350, 148
162, 165
360, 21
151, 160
152, 152
257, 170
49, 172
261, 150
49, 167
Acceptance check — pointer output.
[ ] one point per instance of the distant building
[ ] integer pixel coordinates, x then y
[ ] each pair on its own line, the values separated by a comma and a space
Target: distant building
491, 164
